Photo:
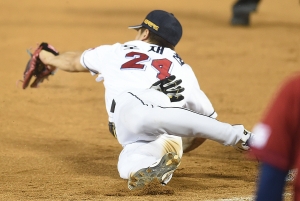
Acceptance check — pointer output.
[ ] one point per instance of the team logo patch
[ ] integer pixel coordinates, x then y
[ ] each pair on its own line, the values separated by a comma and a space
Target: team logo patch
151, 24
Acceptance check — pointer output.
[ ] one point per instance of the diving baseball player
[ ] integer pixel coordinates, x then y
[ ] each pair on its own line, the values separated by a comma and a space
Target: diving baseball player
145, 122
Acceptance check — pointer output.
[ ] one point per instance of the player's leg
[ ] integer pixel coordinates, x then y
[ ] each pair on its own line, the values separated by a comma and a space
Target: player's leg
186, 123
141, 162
241, 11
160, 171
138, 115
191, 143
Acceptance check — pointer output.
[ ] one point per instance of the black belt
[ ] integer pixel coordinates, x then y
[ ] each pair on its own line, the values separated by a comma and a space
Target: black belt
113, 106
112, 129
111, 125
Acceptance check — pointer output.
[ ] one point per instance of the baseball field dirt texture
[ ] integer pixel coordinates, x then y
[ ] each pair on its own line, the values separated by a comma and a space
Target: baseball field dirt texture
54, 140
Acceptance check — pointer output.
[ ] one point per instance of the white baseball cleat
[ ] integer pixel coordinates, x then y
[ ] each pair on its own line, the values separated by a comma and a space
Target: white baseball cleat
243, 144
161, 171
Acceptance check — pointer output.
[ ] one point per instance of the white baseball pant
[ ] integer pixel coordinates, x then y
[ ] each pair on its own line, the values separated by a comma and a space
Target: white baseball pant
143, 117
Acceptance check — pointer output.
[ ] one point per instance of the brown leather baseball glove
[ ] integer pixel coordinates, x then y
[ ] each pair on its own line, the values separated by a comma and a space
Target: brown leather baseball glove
36, 68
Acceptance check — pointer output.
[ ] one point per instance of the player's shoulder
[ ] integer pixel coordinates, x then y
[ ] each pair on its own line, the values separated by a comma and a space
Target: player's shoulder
153, 50
135, 44
288, 90
105, 47
115, 48
292, 82
294, 78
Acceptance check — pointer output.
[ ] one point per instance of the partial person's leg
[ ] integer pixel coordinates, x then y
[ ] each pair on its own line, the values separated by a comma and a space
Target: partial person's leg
141, 162
138, 116
191, 143
185, 123
138, 155
241, 11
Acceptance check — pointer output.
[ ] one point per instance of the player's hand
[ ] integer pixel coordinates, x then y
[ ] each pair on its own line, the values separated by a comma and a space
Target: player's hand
170, 87
36, 68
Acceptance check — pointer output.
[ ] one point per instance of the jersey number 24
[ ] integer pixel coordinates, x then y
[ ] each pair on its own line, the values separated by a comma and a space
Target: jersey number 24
161, 65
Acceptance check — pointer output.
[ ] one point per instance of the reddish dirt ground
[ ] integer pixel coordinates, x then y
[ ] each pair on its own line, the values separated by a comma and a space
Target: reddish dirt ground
54, 140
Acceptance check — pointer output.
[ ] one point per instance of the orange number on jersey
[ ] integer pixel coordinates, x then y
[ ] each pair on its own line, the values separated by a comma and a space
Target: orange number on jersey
161, 65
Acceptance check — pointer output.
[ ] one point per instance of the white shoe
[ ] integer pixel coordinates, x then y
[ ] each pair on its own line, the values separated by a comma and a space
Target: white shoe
243, 144
161, 171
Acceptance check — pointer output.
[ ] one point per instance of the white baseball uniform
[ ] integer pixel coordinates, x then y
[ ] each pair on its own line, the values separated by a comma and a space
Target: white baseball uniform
148, 125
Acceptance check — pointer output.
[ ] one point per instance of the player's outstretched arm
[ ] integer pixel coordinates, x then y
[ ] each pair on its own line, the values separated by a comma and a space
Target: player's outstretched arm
68, 61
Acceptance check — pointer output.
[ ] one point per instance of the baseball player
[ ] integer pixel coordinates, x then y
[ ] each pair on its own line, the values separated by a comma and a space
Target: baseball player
145, 122
276, 143
241, 11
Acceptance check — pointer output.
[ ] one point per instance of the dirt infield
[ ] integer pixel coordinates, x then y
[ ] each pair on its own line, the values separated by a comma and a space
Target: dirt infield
54, 141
